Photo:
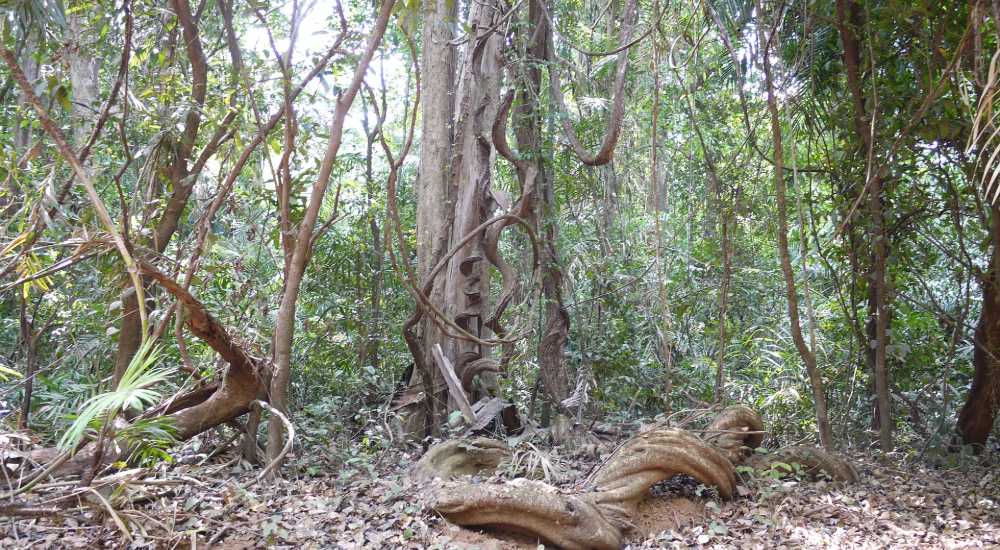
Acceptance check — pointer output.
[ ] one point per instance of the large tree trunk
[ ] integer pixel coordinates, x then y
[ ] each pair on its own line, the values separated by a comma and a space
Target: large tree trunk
454, 198
466, 285
434, 197
975, 420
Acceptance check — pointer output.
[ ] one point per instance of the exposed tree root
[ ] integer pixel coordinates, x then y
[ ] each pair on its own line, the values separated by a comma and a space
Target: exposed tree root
566, 520
736, 432
814, 461
460, 457
603, 510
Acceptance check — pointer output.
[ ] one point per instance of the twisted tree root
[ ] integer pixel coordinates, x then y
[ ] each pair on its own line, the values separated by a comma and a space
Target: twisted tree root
597, 516
460, 457
600, 513
649, 458
736, 432
566, 520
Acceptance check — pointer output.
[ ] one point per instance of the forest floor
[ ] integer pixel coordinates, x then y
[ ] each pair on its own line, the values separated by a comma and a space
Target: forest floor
361, 497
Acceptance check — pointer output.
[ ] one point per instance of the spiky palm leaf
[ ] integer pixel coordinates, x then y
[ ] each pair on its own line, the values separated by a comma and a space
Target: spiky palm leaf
985, 135
133, 391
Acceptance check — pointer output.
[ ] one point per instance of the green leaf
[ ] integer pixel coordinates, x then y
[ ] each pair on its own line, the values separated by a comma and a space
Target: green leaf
133, 392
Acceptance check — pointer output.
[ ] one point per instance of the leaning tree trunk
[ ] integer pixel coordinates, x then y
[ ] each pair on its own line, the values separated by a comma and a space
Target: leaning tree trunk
815, 377
182, 179
975, 420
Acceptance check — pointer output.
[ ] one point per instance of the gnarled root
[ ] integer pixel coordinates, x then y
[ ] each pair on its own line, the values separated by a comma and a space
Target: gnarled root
602, 511
623, 481
460, 457
659, 454
566, 520
597, 516
814, 461
736, 432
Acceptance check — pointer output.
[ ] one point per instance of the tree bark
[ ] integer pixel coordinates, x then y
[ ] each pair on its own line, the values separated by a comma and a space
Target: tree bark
976, 418
815, 377
849, 20
301, 253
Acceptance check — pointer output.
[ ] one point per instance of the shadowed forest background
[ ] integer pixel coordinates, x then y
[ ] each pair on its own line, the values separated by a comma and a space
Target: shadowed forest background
711, 272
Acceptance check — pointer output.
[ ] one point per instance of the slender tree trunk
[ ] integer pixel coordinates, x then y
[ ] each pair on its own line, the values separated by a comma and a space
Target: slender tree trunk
878, 240
815, 377
26, 57
376, 259
555, 376
727, 268
15, 196
849, 20
301, 253
664, 329
717, 201
28, 340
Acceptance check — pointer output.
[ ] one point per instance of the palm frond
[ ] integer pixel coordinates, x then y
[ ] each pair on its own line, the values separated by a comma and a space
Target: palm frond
133, 392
